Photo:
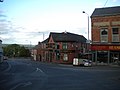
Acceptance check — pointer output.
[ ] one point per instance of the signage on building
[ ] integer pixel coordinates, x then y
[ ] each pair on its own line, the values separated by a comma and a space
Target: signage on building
105, 47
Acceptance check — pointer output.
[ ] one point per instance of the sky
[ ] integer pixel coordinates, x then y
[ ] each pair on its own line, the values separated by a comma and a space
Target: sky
31, 21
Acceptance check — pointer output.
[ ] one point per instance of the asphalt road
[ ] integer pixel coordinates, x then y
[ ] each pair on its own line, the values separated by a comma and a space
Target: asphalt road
30, 75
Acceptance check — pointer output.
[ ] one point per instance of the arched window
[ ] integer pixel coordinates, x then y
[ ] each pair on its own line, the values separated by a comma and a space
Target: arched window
104, 32
104, 35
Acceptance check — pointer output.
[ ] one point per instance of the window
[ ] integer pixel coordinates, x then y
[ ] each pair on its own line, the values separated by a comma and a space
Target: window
65, 46
115, 35
57, 55
65, 57
57, 46
115, 30
104, 35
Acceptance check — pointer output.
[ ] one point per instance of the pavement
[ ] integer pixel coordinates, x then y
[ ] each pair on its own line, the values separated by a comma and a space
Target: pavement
3, 66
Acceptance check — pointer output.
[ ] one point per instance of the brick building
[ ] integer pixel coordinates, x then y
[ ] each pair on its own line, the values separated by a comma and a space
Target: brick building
61, 47
105, 23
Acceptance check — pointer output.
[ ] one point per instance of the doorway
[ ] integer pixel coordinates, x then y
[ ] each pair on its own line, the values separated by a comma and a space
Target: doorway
114, 57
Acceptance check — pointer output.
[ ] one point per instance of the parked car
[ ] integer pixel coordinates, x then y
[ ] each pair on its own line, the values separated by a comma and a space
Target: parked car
5, 58
87, 62
82, 62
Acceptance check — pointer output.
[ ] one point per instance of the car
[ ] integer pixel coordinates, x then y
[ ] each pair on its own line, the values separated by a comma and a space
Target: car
5, 58
87, 62
82, 62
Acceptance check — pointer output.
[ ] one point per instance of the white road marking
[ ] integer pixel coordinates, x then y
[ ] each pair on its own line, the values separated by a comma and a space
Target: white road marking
21, 84
37, 69
9, 67
27, 84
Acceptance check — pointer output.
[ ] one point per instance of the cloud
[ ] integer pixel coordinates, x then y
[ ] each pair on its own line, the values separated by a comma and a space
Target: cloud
114, 0
8, 31
98, 4
1, 15
2, 20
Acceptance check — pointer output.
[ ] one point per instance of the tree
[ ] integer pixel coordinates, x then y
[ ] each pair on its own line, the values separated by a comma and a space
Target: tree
15, 50
24, 52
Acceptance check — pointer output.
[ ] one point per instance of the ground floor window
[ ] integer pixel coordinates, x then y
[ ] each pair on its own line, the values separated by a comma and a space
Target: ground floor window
114, 57
57, 55
106, 57
65, 57
102, 56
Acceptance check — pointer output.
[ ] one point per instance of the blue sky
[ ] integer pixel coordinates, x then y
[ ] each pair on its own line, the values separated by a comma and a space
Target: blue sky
25, 21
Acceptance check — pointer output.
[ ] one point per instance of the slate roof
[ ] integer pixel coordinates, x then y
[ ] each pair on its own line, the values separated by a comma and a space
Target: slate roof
45, 41
67, 37
107, 11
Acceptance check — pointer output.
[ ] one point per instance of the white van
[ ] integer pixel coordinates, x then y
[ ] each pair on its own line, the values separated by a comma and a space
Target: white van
82, 62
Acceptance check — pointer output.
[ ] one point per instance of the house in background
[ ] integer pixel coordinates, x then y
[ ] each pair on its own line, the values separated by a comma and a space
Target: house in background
105, 23
62, 47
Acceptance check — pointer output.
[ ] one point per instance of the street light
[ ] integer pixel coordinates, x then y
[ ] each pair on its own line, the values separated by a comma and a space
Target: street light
88, 24
88, 41
43, 35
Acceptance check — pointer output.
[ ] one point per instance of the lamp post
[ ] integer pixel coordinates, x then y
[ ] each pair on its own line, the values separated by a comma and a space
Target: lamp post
88, 41
88, 24
43, 35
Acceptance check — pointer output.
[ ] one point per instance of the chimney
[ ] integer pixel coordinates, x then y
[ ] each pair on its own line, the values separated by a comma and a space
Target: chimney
39, 43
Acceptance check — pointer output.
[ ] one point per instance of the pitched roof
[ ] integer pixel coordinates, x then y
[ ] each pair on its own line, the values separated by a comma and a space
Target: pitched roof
67, 37
45, 41
107, 11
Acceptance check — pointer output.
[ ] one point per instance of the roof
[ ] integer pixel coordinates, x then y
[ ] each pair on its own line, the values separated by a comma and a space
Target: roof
67, 37
45, 41
106, 11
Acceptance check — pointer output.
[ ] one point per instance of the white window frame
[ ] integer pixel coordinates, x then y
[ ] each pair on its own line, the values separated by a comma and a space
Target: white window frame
103, 37
115, 37
65, 45
65, 57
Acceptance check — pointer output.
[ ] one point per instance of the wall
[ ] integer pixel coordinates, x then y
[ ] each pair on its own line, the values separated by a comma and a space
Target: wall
104, 22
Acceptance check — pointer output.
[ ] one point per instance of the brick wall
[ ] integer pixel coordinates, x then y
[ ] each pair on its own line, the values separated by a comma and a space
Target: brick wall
104, 22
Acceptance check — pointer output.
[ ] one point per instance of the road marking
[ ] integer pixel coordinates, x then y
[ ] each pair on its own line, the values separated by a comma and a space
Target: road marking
21, 84
9, 67
27, 84
37, 69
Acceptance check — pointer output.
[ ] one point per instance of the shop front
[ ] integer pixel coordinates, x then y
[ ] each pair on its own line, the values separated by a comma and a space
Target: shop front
107, 54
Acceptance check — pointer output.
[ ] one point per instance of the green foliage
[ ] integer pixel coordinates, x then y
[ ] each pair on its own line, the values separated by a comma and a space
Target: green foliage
15, 50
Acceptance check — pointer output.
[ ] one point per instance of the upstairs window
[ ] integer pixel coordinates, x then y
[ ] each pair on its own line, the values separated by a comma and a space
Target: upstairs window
104, 35
64, 46
115, 35
115, 31
57, 46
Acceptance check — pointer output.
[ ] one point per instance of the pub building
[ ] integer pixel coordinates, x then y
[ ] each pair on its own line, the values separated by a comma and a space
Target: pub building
105, 35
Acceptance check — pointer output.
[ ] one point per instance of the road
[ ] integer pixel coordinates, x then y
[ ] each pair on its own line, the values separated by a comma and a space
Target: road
24, 74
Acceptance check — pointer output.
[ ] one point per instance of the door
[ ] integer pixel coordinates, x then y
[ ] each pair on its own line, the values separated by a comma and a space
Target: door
114, 57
